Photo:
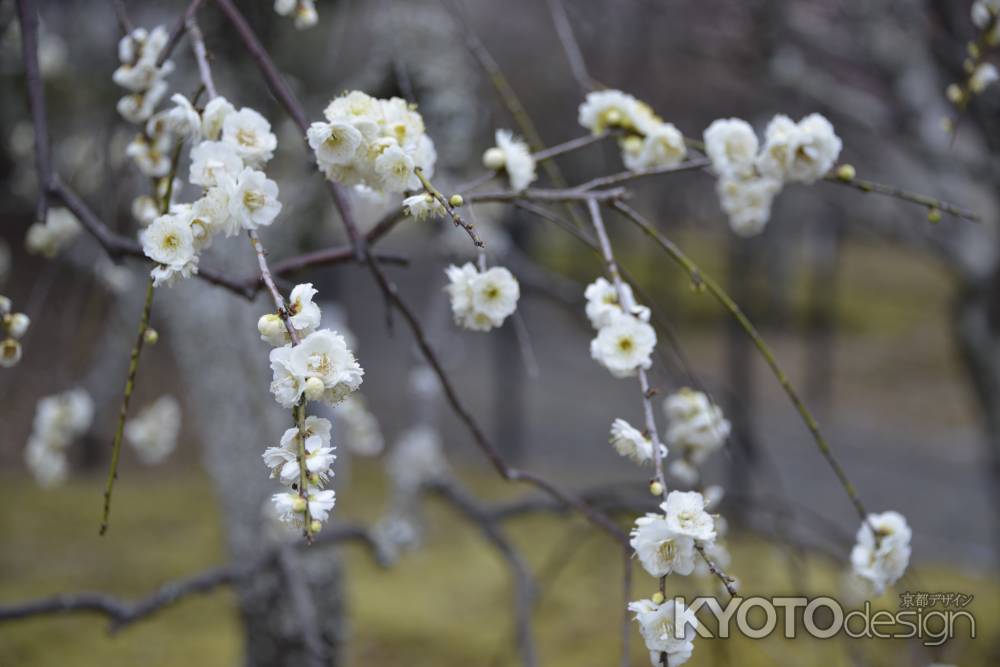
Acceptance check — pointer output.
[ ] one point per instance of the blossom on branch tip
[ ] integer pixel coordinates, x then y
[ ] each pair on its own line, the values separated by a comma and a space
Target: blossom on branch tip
514, 157
881, 557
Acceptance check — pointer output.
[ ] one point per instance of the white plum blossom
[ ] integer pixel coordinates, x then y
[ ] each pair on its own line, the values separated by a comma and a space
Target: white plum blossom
624, 345
514, 157
660, 549
319, 456
169, 241
60, 227
607, 109
323, 357
212, 161
747, 201
658, 624
731, 145
647, 142
214, 114
603, 305
253, 201
423, 205
372, 142
151, 154
685, 515
154, 431
138, 52
182, 119
798, 152
481, 301
663, 146
139, 107
291, 507
695, 426
250, 136
303, 314
629, 442
881, 557
59, 420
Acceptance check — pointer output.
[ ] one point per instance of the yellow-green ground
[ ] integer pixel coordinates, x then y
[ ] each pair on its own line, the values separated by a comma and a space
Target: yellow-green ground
445, 604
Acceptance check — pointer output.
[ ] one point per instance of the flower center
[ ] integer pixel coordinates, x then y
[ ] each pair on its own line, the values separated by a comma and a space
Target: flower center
246, 137
625, 344
253, 200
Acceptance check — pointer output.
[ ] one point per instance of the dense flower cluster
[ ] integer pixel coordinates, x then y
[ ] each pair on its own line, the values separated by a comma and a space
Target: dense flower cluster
646, 141
513, 156
372, 142
153, 432
59, 420
750, 179
230, 149
304, 12
625, 340
12, 327
49, 237
695, 428
319, 367
881, 557
139, 73
481, 300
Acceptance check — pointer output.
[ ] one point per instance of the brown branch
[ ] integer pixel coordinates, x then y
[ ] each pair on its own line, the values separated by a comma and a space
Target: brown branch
564, 30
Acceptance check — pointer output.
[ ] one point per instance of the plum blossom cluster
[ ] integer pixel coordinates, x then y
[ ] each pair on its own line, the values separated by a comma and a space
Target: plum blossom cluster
657, 623
751, 176
231, 148
372, 142
513, 157
695, 429
303, 11
59, 420
49, 237
12, 327
481, 300
646, 141
882, 551
154, 431
139, 73
625, 339
313, 365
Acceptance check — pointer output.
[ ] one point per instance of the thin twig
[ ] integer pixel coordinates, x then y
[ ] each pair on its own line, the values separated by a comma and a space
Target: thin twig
201, 55
930, 203
429, 188
133, 368
570, 46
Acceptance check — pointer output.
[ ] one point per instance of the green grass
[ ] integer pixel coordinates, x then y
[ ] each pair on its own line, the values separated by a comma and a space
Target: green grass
447, 603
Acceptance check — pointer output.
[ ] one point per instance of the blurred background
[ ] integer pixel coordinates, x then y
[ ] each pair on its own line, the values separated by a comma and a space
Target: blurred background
887, 323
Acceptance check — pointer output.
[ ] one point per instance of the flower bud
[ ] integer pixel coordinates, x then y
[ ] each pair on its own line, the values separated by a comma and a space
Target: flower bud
271, 329
456, 201
151, 336
656, 488
314, 389
934, 215
658, 598
299, 505
315, 526
846, 172
954, 93
494, 158
5, 305
10, 353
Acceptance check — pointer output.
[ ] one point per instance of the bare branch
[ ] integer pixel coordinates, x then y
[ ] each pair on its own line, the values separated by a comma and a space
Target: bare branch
570, 46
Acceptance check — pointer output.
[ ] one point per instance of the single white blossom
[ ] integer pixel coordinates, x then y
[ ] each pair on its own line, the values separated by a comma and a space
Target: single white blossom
603, 305
253, 201
629, 442
250, 135
658, 624
481, 301
211, 161
423, 206
731, 145
881, 557
624, 345
660, 549
516, 160
686, 515
695, 426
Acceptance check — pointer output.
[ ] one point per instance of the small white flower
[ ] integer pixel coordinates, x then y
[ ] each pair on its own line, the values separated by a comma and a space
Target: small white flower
286, 384
800, 152
302, 312
17, 324
659, 628
629, 442
153, 432
250, 135
305, 14
731, 145
663, 146
395, 170
747, 202
213, 116
210, 216
334, 143
60, 228
686, 515
423, 206
324, 355
254, 200
695, 426
481, 301
517, 160
213, 160
151, 156
138, 107
602, 302
283, 460
605, 109
169, 241
882, 557
660, 549
624, 345
291, 507
183, 120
